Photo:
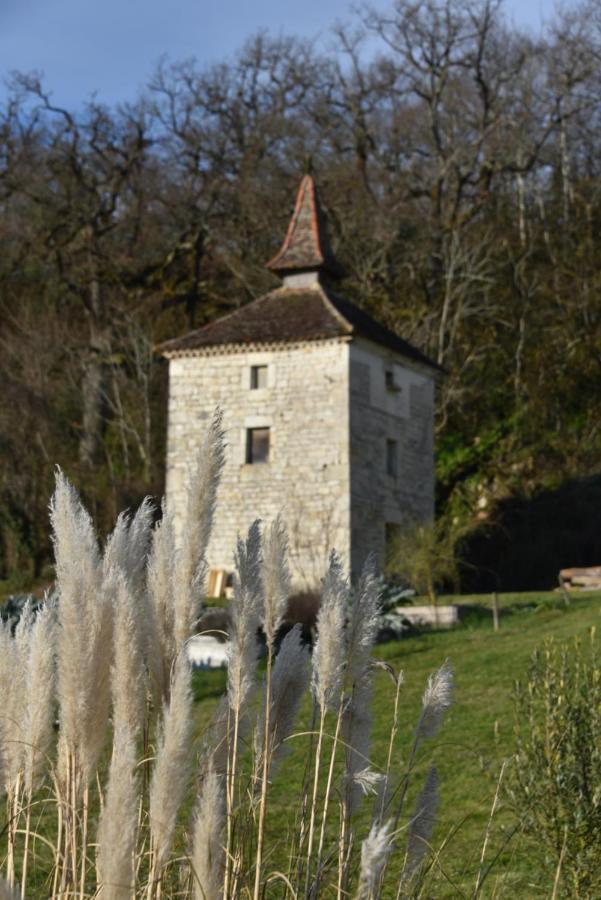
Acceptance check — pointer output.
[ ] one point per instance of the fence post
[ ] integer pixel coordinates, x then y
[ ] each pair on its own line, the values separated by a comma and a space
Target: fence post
495, 611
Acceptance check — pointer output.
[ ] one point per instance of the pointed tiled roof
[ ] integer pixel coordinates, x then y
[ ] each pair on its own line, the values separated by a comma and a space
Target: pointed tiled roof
306, 246
292, 315
295, 313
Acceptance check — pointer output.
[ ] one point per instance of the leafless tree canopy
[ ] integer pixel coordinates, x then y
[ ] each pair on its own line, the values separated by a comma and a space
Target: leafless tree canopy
458, 159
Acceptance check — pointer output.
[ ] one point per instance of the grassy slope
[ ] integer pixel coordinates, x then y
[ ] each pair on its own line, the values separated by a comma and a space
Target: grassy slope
476, 738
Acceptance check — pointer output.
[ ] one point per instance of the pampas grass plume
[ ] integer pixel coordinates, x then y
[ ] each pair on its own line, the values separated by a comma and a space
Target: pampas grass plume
422, 823
127, 672
118, 821
329, 653
375, 850
172, 766
437, 698
207, 847
38, 729
276, 578
161, 650
196, 529
289, 681
244, 619
83, 633
7, 892
364, 621
356, 732
12, 684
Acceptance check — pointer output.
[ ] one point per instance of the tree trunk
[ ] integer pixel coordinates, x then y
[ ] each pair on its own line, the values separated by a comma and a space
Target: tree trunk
94, 408
94, 387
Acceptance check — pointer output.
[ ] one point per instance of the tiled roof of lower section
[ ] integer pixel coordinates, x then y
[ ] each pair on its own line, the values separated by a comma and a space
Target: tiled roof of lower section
292, 315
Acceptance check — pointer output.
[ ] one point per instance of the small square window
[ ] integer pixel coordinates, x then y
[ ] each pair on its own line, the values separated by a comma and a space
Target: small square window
258, 377
392, 454
390, 382
257, 445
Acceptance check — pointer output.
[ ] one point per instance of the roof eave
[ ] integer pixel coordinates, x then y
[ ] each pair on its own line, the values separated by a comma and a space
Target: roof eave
251, 346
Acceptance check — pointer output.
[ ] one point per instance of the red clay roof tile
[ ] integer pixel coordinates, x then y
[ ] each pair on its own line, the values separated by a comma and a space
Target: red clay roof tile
306, 245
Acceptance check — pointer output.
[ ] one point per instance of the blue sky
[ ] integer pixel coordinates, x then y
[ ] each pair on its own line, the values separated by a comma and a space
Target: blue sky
112, 46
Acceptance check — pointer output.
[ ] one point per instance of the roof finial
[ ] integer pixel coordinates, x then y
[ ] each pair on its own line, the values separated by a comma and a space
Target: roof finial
306, 247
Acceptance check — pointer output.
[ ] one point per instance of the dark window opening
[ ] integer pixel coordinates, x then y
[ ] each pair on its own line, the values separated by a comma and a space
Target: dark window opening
257, 445
258, 377
391, 384
392, 466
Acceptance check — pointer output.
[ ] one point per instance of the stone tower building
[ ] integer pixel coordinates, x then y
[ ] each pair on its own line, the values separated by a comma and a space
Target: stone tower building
328, 415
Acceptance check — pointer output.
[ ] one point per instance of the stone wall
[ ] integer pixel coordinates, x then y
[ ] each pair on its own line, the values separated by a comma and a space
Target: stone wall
305, 406
392, 400
327, 473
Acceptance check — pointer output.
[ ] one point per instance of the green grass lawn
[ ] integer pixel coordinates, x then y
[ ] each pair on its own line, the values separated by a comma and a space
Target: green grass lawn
469, 751
476, 738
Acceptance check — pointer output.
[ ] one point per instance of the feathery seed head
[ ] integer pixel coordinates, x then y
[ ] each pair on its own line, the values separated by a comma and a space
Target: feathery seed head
173, 760
289, 681
422, 823
190, 558
38, 728
375, 850
73, 536
245, 618
161, 649
7, 892
118, 822
207, 848
356, 733
276, 578
330, 650
128, 545
363, 621
367, 780
127, 671
437, 698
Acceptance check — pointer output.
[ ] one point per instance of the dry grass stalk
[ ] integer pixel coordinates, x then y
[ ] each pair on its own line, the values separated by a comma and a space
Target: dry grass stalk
244, 648
276, 589
329, 656
481, 870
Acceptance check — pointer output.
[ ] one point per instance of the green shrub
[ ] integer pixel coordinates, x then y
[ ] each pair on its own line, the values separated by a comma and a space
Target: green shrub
556, 778
424, 556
